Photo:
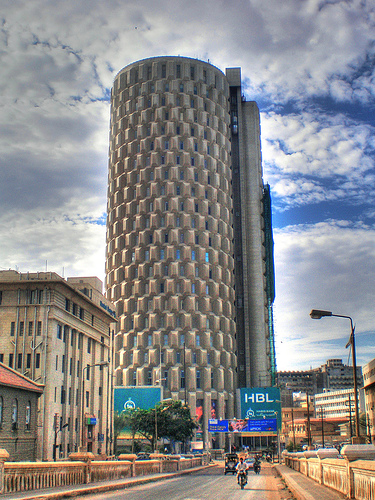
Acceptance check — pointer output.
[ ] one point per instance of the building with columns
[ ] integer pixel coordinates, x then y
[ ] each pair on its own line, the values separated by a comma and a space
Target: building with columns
189, 235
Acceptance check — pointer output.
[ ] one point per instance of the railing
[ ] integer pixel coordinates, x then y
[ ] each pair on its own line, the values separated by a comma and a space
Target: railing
24, 476
355, 479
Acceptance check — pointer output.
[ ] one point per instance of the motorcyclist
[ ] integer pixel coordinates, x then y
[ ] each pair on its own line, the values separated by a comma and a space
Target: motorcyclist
241, 466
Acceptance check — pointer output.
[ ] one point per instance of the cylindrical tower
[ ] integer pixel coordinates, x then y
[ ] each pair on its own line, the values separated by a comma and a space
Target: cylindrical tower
169, 232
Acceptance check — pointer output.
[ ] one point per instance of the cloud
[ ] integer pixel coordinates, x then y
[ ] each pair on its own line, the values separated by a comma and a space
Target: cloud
313, 157
310, 66
329, 266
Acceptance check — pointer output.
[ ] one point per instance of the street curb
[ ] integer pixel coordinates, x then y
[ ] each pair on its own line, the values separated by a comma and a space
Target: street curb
99, 488
293, 486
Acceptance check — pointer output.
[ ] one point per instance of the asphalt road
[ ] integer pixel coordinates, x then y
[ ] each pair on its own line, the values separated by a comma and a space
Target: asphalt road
209, 484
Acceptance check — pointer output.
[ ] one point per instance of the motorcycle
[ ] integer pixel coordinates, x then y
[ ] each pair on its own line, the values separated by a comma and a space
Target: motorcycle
257, 468
242, 479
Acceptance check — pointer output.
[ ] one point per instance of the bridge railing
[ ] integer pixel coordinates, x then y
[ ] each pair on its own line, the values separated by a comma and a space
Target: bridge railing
24, 476
347, 474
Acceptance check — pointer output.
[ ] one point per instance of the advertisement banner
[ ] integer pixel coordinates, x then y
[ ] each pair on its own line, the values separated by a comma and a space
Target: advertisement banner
136, 397
264, 425
260, 403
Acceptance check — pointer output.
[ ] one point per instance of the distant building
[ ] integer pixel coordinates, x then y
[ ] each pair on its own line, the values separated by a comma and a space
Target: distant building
18, 414
338, 404
333, 375
57, 332
369, 388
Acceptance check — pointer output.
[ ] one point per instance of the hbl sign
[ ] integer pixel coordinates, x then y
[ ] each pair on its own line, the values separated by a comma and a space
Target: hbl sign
260, 403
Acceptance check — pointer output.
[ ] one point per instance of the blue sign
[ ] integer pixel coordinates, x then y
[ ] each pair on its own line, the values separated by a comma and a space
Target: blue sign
217, 425
260, 403
253, 425
127, 398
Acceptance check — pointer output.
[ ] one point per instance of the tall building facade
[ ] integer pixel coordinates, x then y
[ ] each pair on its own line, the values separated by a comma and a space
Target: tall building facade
186, 250
57, 333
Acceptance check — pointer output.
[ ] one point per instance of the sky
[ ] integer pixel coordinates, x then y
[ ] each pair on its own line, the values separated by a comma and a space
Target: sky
308, 64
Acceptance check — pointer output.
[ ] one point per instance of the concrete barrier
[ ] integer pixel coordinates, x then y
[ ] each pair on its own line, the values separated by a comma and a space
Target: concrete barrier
354, 478
24, 476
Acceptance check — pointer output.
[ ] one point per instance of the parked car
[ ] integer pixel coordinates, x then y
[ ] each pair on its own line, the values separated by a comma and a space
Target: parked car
143, 456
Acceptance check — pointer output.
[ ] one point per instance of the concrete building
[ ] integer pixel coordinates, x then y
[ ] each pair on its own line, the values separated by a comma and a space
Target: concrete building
369, 387
57, 332
338, 404
18, 414
333, 375
187, 253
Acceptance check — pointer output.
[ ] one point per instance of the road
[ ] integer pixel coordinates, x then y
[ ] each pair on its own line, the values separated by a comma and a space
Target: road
208, 484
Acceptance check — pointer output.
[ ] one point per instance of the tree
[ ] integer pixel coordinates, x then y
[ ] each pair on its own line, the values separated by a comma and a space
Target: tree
173, 422
176, 423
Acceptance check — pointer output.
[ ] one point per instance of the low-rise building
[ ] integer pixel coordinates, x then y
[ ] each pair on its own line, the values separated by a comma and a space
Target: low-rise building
18, 414
369, 388
58, 333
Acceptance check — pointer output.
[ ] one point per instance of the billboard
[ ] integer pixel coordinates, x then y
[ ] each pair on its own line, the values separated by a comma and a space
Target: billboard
136, 397
266, 425
260, 403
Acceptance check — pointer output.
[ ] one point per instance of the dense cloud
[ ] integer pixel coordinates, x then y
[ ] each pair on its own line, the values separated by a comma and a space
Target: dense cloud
310, 67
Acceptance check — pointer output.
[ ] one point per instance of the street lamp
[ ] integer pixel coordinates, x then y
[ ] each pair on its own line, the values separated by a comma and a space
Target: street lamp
318, 314
87, 367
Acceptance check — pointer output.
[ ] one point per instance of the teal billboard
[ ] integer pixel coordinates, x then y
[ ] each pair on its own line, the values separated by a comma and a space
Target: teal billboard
260, 403
127, 398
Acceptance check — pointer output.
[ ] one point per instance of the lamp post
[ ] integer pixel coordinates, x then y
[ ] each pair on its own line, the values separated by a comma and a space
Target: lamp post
322, 421
318, 314
309, 443
87, 367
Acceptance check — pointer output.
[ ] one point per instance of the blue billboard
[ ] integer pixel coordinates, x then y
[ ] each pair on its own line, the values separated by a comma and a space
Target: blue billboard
253, 425
127, 398
260, 403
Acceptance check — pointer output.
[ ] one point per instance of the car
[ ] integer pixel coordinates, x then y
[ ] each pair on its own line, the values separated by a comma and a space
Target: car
249, 462
143, 456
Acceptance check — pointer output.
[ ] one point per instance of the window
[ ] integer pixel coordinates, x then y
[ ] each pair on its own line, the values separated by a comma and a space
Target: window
166, 339
182, 339
178, 223
182, 238
207, 257
178, 71
37, 360
149, 339
178, 190
67, 304
161, 287
193, 255
15, 414
81, 313
19, 361
198, 340
198, 379
162, 253
30, 331
182, 379
192, 161
12, 328
193, 222
147, 254
10, 360
149, 377
28, 416
178, 253
194, 358
178, 161
134, 378
59, 331
89, 345
196, 207
193, 288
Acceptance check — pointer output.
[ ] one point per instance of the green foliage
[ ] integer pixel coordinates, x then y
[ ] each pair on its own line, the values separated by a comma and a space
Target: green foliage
173, 422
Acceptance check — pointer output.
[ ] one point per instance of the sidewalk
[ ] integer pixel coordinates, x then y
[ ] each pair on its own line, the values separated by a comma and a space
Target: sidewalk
304, 488
76, 490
